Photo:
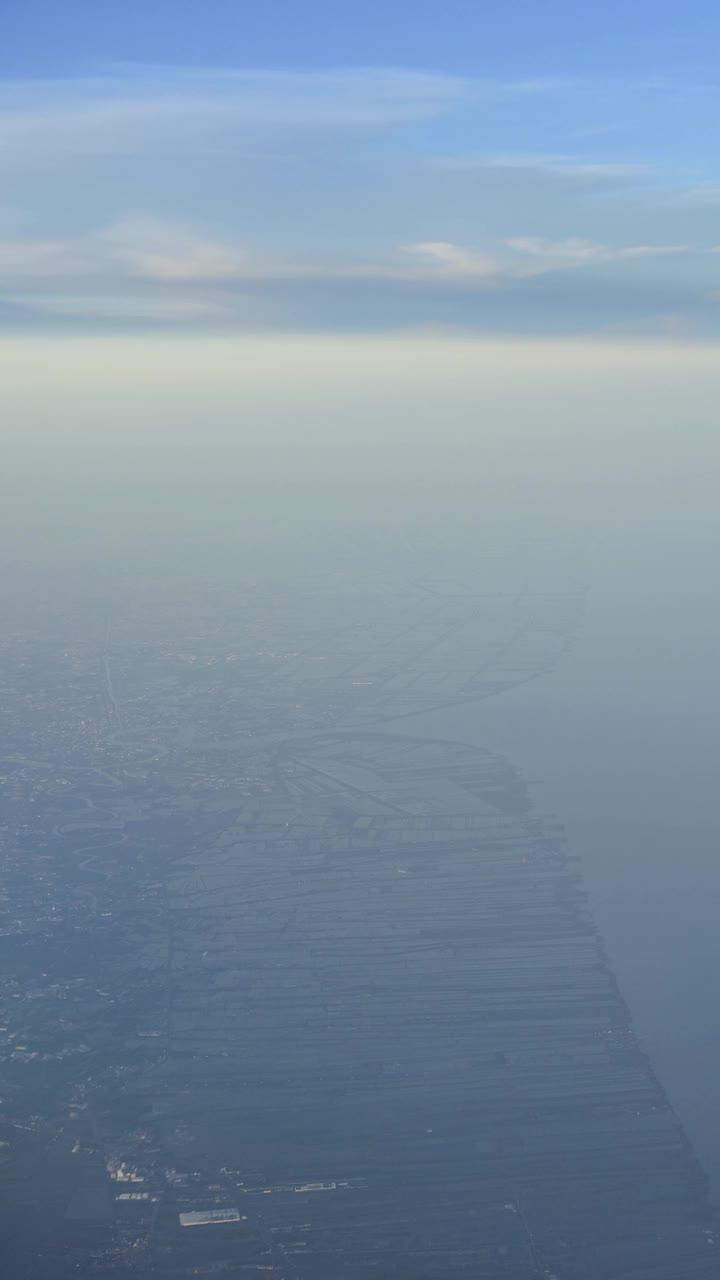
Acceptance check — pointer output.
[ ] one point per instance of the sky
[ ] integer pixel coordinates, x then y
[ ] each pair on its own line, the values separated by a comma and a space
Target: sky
533, 169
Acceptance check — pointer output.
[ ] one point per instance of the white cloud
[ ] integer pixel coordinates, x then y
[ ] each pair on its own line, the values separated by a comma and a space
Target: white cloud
578, 252
144, 250
155, 254
705, 195
138, 110
569, 167
28, 258
152, 250
441, 259
147, 270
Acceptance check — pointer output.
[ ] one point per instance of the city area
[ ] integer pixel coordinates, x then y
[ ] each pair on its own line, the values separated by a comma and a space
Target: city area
290, 988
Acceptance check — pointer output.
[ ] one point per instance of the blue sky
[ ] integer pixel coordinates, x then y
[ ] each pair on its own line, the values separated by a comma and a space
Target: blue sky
468, 37
543, 168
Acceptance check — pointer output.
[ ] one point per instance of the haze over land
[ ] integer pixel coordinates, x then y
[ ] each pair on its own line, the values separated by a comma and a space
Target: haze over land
283, 582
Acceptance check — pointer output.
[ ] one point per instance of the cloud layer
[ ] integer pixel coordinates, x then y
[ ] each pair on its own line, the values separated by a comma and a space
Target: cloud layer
348, 198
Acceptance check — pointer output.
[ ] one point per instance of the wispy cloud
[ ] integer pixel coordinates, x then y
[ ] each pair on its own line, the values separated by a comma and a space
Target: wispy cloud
439, 259
195, 195
570, 167
174, 111
577, 252
155, 252
149, 272
139, 108
121, 109
704, 195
